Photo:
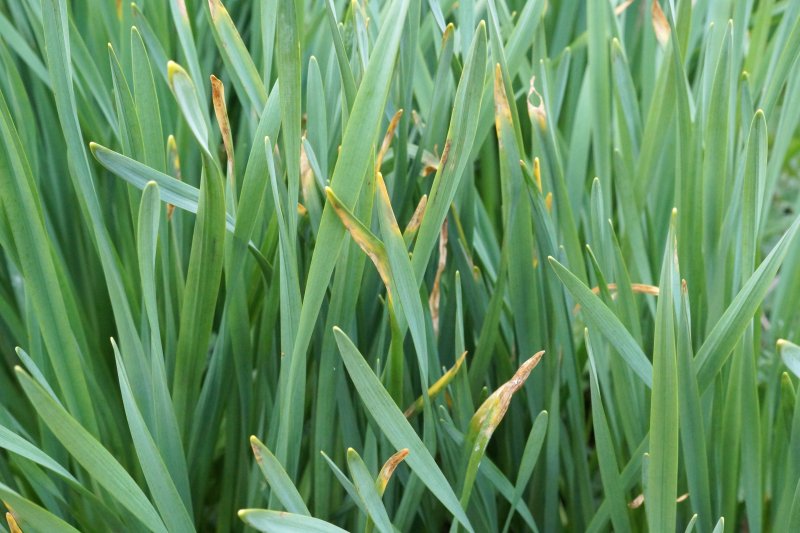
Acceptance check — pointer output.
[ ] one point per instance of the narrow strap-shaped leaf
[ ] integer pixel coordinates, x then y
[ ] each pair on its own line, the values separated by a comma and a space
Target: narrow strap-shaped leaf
90, 454
606, 458
395, 426
13, 443
600, 317
30, 515
726, 332
276, 521
21, 203
205, 261
234, 53
456, 151
173, 510
662, 472
365, 486
349, 488
277, 478
165, 433
529, 457
347, 180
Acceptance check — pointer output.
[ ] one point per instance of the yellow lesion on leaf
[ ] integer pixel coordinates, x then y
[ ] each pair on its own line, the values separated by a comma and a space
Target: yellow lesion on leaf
491, 412
174, 163
365, 239
435, 389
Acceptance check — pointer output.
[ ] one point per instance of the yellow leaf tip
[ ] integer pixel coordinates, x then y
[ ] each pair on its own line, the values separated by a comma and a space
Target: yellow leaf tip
172, 69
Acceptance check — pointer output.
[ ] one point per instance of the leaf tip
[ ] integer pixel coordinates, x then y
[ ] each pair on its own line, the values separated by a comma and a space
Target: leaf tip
172, 69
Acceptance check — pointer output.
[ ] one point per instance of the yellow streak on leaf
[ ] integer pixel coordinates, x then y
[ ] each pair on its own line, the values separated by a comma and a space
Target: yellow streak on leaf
502, 113
383, 197
638, 288
174, 164
364, 238
537, 173
12, 523
435, 389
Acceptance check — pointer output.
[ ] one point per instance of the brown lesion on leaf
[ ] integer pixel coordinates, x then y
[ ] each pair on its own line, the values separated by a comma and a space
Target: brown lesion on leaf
221, 113
433, 299
660, 23
491, 412
416, 219
387, 139
637, 288
388, 469
445, 154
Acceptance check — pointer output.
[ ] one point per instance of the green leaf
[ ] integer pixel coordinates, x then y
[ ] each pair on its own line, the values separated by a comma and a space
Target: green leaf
277, 478
606, 457
727, 331
173, 511
90, 454
31, 516
662, 471
237, 59
348, 178
598, 316
280, 522
395, 426
365, 486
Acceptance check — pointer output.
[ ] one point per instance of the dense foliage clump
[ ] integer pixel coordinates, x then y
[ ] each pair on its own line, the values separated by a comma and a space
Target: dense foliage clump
494, 265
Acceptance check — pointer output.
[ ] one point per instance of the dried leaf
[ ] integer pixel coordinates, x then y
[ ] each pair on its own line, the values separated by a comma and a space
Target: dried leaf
387, 139
388, 469
221, 112
433, 299
660, 24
